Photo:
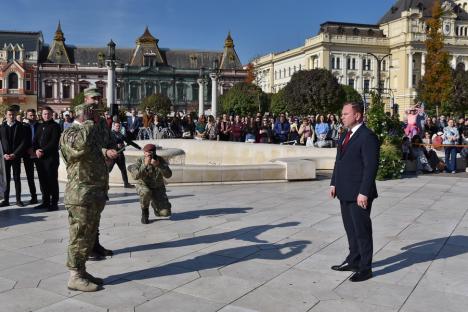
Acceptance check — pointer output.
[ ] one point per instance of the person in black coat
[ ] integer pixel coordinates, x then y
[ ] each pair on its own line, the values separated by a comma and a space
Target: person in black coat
29, 157
46, 147
13, 138
119, 140
353, 182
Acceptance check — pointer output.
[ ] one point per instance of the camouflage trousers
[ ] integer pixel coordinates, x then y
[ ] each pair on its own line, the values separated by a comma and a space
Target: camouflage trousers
156, 196
83, 225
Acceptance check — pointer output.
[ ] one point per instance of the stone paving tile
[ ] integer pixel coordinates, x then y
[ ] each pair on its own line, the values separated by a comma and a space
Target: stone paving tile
31, 273
72, 305
121, 295
19, 300
222, 289
177, 302
9, 259
348, 306
6, 284
424, 300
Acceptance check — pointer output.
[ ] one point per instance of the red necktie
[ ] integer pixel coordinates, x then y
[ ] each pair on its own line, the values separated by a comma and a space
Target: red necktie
346, 140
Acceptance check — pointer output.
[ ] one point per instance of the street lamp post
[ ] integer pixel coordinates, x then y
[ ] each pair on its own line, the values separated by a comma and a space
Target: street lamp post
110, 92
379, 68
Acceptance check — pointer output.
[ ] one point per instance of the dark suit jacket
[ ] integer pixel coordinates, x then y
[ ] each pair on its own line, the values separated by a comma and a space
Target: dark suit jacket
134, 125
356, 167
28, 136
18, 143
47, 138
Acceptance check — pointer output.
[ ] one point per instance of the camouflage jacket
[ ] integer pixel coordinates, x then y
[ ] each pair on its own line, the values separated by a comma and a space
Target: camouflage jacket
150, 175
83, 148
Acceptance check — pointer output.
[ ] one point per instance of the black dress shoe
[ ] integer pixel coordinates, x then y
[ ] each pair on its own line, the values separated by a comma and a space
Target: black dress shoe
19, 203
94, 256
344, 267
361, 276
33, 201
42, 206
128, 185
4, 204
53, 208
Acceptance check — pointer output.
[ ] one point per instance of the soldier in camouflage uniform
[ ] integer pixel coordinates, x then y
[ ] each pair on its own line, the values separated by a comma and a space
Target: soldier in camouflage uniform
84, 153
149, 174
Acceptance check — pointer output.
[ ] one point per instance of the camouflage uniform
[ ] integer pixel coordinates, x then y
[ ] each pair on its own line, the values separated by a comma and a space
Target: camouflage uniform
150, 185
82, 147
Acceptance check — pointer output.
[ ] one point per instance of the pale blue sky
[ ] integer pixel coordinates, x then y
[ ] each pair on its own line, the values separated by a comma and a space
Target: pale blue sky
257, 26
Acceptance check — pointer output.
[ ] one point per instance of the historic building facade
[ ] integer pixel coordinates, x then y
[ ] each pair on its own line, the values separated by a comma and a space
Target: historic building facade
357, 54
187, 77
19, 55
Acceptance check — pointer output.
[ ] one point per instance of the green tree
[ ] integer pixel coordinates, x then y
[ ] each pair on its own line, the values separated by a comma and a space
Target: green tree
243, 99
351, 94
157, 103
436, 87
278, 103
77, 100
313, 91
459, 103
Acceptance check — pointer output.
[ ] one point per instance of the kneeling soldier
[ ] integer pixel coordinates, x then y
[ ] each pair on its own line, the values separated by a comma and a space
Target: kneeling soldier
149, 171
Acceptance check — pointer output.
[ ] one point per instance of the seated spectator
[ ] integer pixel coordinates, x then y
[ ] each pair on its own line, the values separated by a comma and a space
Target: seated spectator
432, 157
306, 132
406, 148
419, 153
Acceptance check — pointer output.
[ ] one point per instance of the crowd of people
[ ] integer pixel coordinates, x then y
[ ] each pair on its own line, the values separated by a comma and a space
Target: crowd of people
425, 135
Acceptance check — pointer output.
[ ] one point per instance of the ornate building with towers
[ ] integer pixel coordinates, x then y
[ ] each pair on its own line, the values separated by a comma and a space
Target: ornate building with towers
192, 79
359, 54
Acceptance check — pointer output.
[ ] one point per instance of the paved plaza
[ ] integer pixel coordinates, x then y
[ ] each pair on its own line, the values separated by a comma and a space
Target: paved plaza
249, 247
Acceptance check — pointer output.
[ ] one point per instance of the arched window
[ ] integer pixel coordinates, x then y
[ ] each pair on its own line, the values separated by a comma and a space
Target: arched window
13, 81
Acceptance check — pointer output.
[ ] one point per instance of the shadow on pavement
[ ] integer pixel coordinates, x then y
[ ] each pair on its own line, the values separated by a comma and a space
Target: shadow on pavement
424, 251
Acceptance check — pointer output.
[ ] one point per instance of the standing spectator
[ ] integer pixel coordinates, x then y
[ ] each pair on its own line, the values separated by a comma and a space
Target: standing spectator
237, 129
67, 121
251, 131
133, 124
451, 137
293, 130
461, 129
211, 132
306, 131
176, 126
119, 140
224, 129
321, 130
265, 132
188, 127
281, 129
108, 119
14, 141
430, 126
441, 123
200, 127
333, 133
46, 147
29, 157
147, 118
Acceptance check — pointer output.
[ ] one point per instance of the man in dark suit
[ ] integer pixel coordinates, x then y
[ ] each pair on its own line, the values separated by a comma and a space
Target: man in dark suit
133, 124
353, 182
13, 138
29, 157
46, 147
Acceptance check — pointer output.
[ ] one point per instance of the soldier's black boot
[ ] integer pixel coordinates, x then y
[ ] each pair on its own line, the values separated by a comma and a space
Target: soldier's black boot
145, 216
98, 249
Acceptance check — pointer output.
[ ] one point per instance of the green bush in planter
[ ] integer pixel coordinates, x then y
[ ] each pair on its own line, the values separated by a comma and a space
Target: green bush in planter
391, 166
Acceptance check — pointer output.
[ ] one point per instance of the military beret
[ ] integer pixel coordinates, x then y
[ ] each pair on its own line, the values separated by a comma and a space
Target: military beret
92, 91
149, 148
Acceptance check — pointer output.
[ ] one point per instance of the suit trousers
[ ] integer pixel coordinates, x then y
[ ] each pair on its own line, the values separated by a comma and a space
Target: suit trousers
358, 227
47, 170
16, 164
29, 169
120, 161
